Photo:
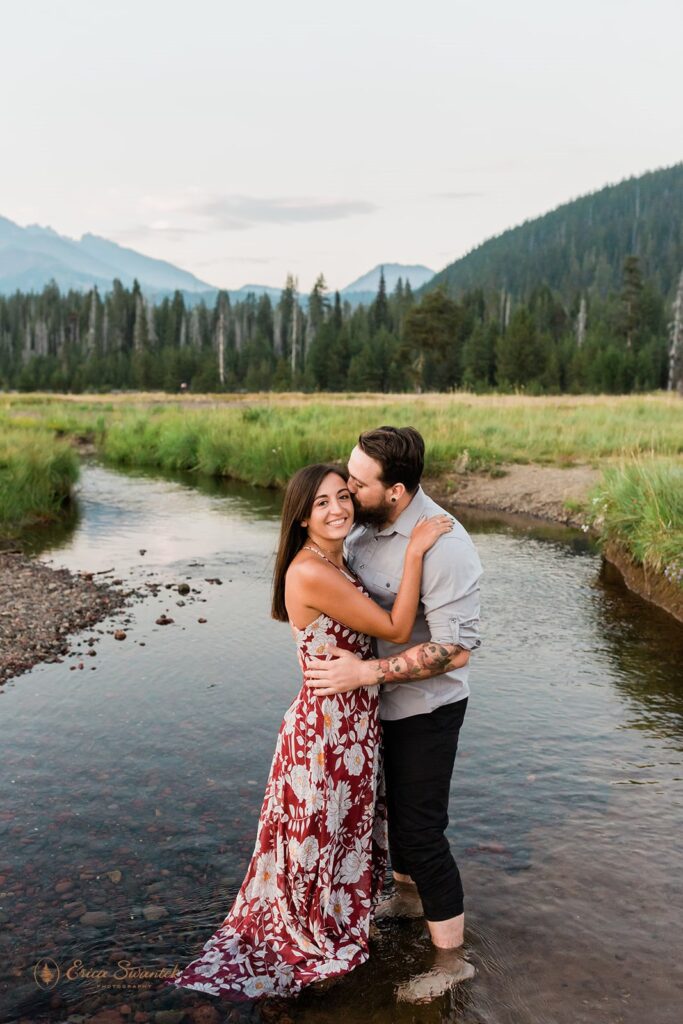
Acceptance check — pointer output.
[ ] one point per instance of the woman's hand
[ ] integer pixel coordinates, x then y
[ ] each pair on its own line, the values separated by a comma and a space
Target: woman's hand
427, 532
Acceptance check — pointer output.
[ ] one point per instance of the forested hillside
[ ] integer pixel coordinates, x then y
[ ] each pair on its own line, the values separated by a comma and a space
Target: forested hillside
580, 247
81, 341
586, 299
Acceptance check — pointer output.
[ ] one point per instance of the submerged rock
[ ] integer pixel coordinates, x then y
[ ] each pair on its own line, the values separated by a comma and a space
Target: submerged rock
96, 919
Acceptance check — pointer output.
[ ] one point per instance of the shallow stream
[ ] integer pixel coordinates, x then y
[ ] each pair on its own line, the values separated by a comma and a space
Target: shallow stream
132, 787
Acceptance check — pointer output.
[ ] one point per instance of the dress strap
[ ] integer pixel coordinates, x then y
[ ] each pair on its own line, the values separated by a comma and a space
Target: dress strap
344, 572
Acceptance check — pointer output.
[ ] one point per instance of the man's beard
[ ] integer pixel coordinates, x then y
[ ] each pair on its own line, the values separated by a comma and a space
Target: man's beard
378, 516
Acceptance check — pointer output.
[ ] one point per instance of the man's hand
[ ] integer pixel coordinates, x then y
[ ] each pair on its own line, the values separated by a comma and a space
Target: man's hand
344, 673
349, 672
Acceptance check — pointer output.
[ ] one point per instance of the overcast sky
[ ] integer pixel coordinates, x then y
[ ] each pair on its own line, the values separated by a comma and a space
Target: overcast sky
243, 141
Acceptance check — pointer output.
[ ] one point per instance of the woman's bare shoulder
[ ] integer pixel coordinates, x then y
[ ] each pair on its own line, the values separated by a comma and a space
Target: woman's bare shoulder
308, 566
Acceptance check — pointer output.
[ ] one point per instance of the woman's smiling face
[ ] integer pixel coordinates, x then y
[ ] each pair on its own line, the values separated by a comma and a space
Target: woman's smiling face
331, 516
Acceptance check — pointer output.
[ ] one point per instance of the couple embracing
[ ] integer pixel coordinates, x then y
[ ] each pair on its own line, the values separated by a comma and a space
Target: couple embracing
381, 589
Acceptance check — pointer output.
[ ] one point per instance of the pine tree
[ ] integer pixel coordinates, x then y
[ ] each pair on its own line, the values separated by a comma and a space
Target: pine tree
432, 342
520, 358
631, 294
479, 357
379, 311
377, 367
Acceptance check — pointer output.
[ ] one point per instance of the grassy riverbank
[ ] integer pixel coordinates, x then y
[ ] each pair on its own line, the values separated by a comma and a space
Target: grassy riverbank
639, 506
37, 473
637, 441
263, 439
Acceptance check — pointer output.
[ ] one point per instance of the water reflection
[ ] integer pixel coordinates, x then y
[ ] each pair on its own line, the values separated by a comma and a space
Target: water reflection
646, 649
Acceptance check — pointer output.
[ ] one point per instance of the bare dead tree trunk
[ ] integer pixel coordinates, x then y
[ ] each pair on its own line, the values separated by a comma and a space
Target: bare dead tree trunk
92, 323
195, 332
140, 325
502, 309
41, 336
277, 331
310, 334
27, 350
105, 329
675, 380
151, 332
295, 327
221, 345
581, 323
506, 315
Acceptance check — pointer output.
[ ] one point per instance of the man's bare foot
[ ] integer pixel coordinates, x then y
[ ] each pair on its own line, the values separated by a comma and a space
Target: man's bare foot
405, 902
449, 969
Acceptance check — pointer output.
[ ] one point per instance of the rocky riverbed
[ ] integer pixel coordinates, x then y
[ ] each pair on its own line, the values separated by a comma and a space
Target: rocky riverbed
42, 606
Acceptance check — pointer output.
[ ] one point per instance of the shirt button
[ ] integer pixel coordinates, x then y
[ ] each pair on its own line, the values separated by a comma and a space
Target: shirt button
388, 584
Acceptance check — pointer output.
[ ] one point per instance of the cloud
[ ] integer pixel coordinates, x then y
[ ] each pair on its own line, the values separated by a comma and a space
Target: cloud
140, 231
459, 195
238, 212
177, 217
234, 259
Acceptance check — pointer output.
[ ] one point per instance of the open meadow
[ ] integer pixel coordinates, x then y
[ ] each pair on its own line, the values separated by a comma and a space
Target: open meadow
262, 439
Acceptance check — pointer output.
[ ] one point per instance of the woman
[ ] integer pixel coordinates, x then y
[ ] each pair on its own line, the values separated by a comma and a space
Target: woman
303, 911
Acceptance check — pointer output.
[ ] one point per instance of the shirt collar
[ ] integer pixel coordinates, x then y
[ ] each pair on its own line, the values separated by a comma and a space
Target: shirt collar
408, 517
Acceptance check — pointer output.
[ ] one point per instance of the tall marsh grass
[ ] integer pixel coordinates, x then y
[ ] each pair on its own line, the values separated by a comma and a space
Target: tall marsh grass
265, 443
263, 438
639, 505
37, 473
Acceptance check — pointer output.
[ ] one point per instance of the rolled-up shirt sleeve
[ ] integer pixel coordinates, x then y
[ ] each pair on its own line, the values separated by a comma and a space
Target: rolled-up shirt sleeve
450, 592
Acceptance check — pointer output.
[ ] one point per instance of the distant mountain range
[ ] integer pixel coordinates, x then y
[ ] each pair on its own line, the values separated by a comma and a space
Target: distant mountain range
33, 256
364, 289
580, 247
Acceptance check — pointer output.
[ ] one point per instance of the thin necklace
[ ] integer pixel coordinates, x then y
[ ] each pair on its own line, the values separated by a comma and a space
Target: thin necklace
320, 551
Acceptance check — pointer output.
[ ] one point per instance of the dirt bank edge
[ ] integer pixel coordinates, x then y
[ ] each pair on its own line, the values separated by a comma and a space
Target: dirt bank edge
652, 586
529, 489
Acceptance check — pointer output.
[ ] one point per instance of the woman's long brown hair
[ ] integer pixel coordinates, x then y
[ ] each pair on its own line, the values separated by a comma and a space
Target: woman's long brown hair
299, 497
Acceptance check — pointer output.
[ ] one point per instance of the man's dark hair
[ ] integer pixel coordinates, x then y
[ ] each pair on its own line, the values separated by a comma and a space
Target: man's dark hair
400, 452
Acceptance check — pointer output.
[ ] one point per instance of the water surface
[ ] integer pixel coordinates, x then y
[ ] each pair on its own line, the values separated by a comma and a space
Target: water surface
132, 786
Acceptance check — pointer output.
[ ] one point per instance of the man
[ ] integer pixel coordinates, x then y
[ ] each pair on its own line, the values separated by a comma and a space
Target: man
424, 684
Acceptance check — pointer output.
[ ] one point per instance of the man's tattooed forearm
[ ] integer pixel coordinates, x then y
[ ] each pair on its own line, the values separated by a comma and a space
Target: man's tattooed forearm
421, 662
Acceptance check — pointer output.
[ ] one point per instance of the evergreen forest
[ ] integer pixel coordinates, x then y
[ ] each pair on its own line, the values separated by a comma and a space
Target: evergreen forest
588, 298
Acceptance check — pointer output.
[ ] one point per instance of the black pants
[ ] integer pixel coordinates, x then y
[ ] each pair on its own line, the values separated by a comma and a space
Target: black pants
419, 754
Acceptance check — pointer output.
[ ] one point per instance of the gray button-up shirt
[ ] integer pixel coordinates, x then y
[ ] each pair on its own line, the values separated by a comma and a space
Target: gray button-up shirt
449, 601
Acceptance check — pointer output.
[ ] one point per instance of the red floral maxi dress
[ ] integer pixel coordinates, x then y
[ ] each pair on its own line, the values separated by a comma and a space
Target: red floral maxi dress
303, 911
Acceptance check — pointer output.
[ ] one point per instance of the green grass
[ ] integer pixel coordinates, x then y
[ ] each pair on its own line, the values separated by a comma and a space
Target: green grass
639, 505
37, 473
264, 439
265, 444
